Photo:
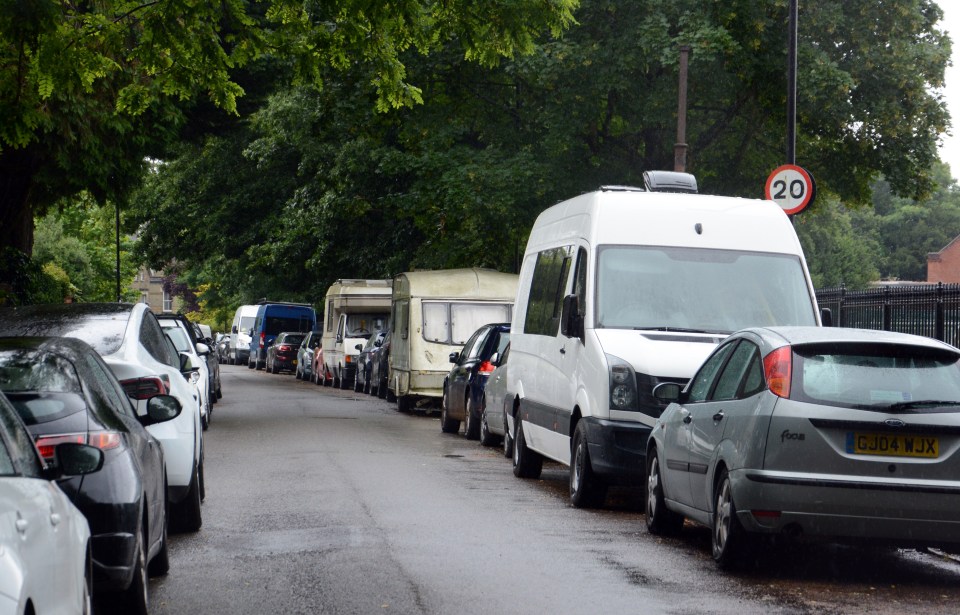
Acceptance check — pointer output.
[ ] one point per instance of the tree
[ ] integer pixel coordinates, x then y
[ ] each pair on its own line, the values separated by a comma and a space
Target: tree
87, 90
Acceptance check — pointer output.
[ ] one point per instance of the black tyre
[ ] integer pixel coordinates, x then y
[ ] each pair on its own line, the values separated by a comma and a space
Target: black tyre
526, 463
660, 520
730, 542
160, 564
249, 365
135, 599
471, 422
487, 438
587, 490
404, 403
390, 396
357, 385
297, 374
507, 438
187, 513
447, 424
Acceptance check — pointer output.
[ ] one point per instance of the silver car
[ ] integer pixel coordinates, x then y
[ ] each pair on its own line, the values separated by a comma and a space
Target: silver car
829, 433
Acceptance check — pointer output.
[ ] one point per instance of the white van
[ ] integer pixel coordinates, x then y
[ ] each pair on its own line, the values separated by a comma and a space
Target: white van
353, 311
434, 314
624, 288
243, 320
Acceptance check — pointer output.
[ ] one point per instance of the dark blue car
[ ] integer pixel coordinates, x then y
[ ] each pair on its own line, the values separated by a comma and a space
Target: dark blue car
463, 386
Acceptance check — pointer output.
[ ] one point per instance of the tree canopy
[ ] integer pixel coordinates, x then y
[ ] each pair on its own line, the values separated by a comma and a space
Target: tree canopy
321, 184
88, 90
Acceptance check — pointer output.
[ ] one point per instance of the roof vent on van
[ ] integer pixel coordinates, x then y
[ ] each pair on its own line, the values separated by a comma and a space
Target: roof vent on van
669, 181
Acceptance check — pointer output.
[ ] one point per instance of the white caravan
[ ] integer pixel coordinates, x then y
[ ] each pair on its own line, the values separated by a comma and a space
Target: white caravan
624, 288
434, 314
353, 311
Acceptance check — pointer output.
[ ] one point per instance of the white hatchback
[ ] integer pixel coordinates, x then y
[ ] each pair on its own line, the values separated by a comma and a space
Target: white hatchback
44, 539
130, 340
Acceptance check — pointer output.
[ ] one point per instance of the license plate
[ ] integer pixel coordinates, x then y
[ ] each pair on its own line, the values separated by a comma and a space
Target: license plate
893, 445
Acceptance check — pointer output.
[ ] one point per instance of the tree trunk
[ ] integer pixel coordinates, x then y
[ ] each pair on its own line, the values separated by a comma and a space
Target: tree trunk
16, 207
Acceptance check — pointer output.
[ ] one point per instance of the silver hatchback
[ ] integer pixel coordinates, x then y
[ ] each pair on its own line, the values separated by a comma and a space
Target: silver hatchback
811, 432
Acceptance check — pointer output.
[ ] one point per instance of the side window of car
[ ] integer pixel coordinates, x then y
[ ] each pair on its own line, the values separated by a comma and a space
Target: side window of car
107, 388
702, 383
475, 344
152, 338
728, 384
20, 445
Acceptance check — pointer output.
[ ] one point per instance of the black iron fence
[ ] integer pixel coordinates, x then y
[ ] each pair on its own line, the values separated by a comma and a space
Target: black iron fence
931, 310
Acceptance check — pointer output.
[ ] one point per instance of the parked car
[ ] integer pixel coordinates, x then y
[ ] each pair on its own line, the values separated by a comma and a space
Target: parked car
365, 361
282, 352
272, 319
243, 321
463, 386
380, 369
223, 348
304, 369
48, 569
496, 405
131, 342
202, 348
64, 392
185, 348
321, 375
811, 432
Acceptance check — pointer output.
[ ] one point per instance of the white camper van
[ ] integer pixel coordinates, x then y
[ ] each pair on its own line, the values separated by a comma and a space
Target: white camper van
353, 311
624, 288
434, 314
243, 321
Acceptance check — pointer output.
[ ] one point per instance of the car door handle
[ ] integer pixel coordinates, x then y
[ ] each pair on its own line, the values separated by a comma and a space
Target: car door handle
687, 419
54, 519
563, 351
718, 416
22, 525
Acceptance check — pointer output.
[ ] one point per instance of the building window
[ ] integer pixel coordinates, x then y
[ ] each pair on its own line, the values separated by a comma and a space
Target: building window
167, 302
144, 297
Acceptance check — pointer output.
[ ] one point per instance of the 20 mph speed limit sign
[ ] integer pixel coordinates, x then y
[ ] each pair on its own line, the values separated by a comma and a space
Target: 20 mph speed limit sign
791, 187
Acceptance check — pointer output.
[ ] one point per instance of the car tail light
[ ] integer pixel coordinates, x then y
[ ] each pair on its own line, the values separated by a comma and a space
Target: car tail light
348, 359
104, 440
283, 349
146, 387
777, 369
262, 336
486, 367
46, 444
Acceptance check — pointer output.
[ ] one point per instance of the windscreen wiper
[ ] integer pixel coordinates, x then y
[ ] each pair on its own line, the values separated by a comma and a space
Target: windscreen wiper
681, 330
920, 403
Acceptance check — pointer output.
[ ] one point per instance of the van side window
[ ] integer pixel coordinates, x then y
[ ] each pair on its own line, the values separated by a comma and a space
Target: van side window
580, 281
546, 291
330, 315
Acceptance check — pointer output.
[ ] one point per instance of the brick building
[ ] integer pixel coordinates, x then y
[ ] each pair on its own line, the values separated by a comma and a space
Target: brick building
149, 284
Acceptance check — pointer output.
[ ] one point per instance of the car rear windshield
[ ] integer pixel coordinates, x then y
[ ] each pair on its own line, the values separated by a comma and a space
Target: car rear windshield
179, 338
293, 340
279, 324
34, 370
877, 376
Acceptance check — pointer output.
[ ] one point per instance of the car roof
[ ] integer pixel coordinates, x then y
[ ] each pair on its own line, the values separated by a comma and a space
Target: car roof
810, 335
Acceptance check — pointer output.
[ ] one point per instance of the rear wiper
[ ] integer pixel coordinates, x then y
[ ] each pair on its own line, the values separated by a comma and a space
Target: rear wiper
919, 403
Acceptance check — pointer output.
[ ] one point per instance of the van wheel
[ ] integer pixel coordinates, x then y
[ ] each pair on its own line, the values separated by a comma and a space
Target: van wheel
730, 542
447, 424
586, 488
526, 463
471, 424
660, 519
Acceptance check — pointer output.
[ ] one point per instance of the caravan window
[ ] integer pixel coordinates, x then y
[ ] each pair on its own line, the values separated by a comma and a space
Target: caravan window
454, 322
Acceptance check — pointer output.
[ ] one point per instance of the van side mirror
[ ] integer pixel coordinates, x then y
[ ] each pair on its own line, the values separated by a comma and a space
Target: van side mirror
235, 328
571, 324
359, 347
826, 317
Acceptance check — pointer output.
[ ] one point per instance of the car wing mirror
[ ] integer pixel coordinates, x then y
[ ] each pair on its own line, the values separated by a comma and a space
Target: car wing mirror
75, 459
160, 409
202, 349
454, 356
668, 392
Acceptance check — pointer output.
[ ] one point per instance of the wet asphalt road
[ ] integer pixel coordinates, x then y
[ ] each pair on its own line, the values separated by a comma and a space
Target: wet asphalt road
328, 501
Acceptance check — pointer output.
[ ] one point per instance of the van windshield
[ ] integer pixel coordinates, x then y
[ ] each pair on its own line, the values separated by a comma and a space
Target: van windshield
246, 323
695, 289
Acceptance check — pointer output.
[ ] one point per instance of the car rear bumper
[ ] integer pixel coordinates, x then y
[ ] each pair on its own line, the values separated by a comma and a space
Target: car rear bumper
908, 512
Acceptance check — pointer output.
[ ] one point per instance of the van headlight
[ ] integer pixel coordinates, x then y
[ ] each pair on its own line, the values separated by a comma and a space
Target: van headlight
623, 384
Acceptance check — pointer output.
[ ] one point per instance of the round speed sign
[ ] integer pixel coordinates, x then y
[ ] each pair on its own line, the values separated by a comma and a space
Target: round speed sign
791, 187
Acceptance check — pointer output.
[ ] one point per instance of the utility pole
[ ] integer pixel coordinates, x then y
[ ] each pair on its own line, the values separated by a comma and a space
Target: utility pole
119, 296
792, 85
680, 149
